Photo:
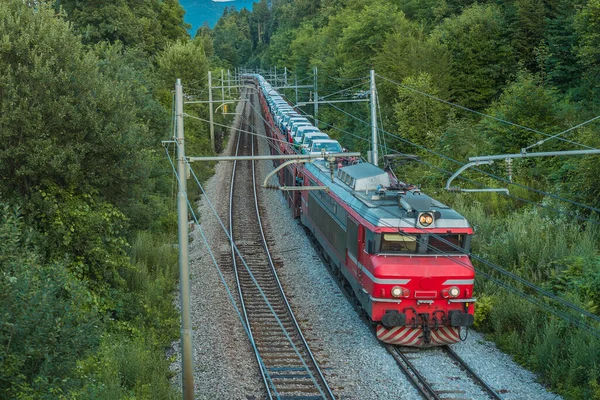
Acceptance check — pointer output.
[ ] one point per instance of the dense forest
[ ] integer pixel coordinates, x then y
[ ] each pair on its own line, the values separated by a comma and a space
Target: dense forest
87, 267
88, 270
459, 78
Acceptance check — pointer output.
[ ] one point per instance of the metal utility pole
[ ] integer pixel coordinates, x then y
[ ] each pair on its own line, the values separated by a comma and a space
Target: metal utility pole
275, 80
374, 155
228, 84
316, 91
296, 87
222, 86
210, 115
285, 76
234, 77
184, 271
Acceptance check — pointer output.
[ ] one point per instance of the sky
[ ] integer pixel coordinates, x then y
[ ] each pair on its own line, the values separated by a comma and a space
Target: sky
199, 11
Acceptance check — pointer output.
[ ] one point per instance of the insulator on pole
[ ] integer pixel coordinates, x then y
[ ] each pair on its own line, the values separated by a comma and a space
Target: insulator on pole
509, 168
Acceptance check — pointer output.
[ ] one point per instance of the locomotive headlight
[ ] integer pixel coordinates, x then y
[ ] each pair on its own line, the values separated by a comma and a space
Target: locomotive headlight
396, 291
454, 292
425, 219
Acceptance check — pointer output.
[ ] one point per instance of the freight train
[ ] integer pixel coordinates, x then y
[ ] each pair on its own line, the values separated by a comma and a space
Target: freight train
403, 254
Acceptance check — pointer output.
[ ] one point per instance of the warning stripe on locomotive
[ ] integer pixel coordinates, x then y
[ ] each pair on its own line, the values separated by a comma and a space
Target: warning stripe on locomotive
407, 336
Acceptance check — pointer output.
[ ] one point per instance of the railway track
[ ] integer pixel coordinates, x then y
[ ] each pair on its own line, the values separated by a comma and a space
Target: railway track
404, 356
287, 366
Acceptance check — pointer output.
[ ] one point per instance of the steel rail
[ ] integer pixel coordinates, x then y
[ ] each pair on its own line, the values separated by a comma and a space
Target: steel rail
476, 378
411, 372
283, 296
416, 378
287, 382
264, 373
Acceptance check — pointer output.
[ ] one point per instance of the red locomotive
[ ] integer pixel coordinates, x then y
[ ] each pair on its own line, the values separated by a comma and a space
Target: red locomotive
403, 254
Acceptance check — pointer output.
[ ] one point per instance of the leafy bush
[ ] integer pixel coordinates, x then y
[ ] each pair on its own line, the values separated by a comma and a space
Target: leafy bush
559, 255
483, 310
126, 369
47, 318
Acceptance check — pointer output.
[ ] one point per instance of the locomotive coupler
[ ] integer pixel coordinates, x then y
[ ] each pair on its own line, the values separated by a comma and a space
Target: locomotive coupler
414, 320
426, 329
438, 320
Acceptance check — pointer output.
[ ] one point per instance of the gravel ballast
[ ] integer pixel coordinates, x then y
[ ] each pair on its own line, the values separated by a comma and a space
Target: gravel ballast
354, 363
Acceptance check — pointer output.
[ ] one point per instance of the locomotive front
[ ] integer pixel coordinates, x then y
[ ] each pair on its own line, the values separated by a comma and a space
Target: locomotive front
406, 255
422, 286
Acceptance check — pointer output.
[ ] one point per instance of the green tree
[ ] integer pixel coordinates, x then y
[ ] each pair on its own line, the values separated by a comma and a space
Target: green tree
587, 23
302, 52
481, 58
562, 66
73, 142
410, 52
422, 11
528, 31
527, 103
419, 118
362, 32
260, 22
186, 61
62, 121
232, 41
207, 41
149, 24
448, 8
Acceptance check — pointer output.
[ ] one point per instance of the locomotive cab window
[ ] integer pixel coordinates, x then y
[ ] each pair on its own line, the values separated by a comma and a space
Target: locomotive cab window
398, 243
423, 244
443, 244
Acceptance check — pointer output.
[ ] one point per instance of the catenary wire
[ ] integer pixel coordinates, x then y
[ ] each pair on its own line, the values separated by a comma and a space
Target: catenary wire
561, 133
346, 79
525, 283
279, 322
510, 275
476, 169
228, 234
534, 203
478, 112
343, 90
219, 271
227, 126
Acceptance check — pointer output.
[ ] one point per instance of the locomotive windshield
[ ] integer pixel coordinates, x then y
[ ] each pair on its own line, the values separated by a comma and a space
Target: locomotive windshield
446, 244
399, 243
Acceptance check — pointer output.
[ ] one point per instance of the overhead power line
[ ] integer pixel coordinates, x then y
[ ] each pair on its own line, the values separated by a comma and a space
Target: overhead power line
480, 113
561, 133
476, 169
534, 300
346, 79
230, 296
534, 203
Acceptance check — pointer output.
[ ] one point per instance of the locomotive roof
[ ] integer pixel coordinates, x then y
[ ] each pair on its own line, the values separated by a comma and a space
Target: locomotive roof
365, 188
364, 177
